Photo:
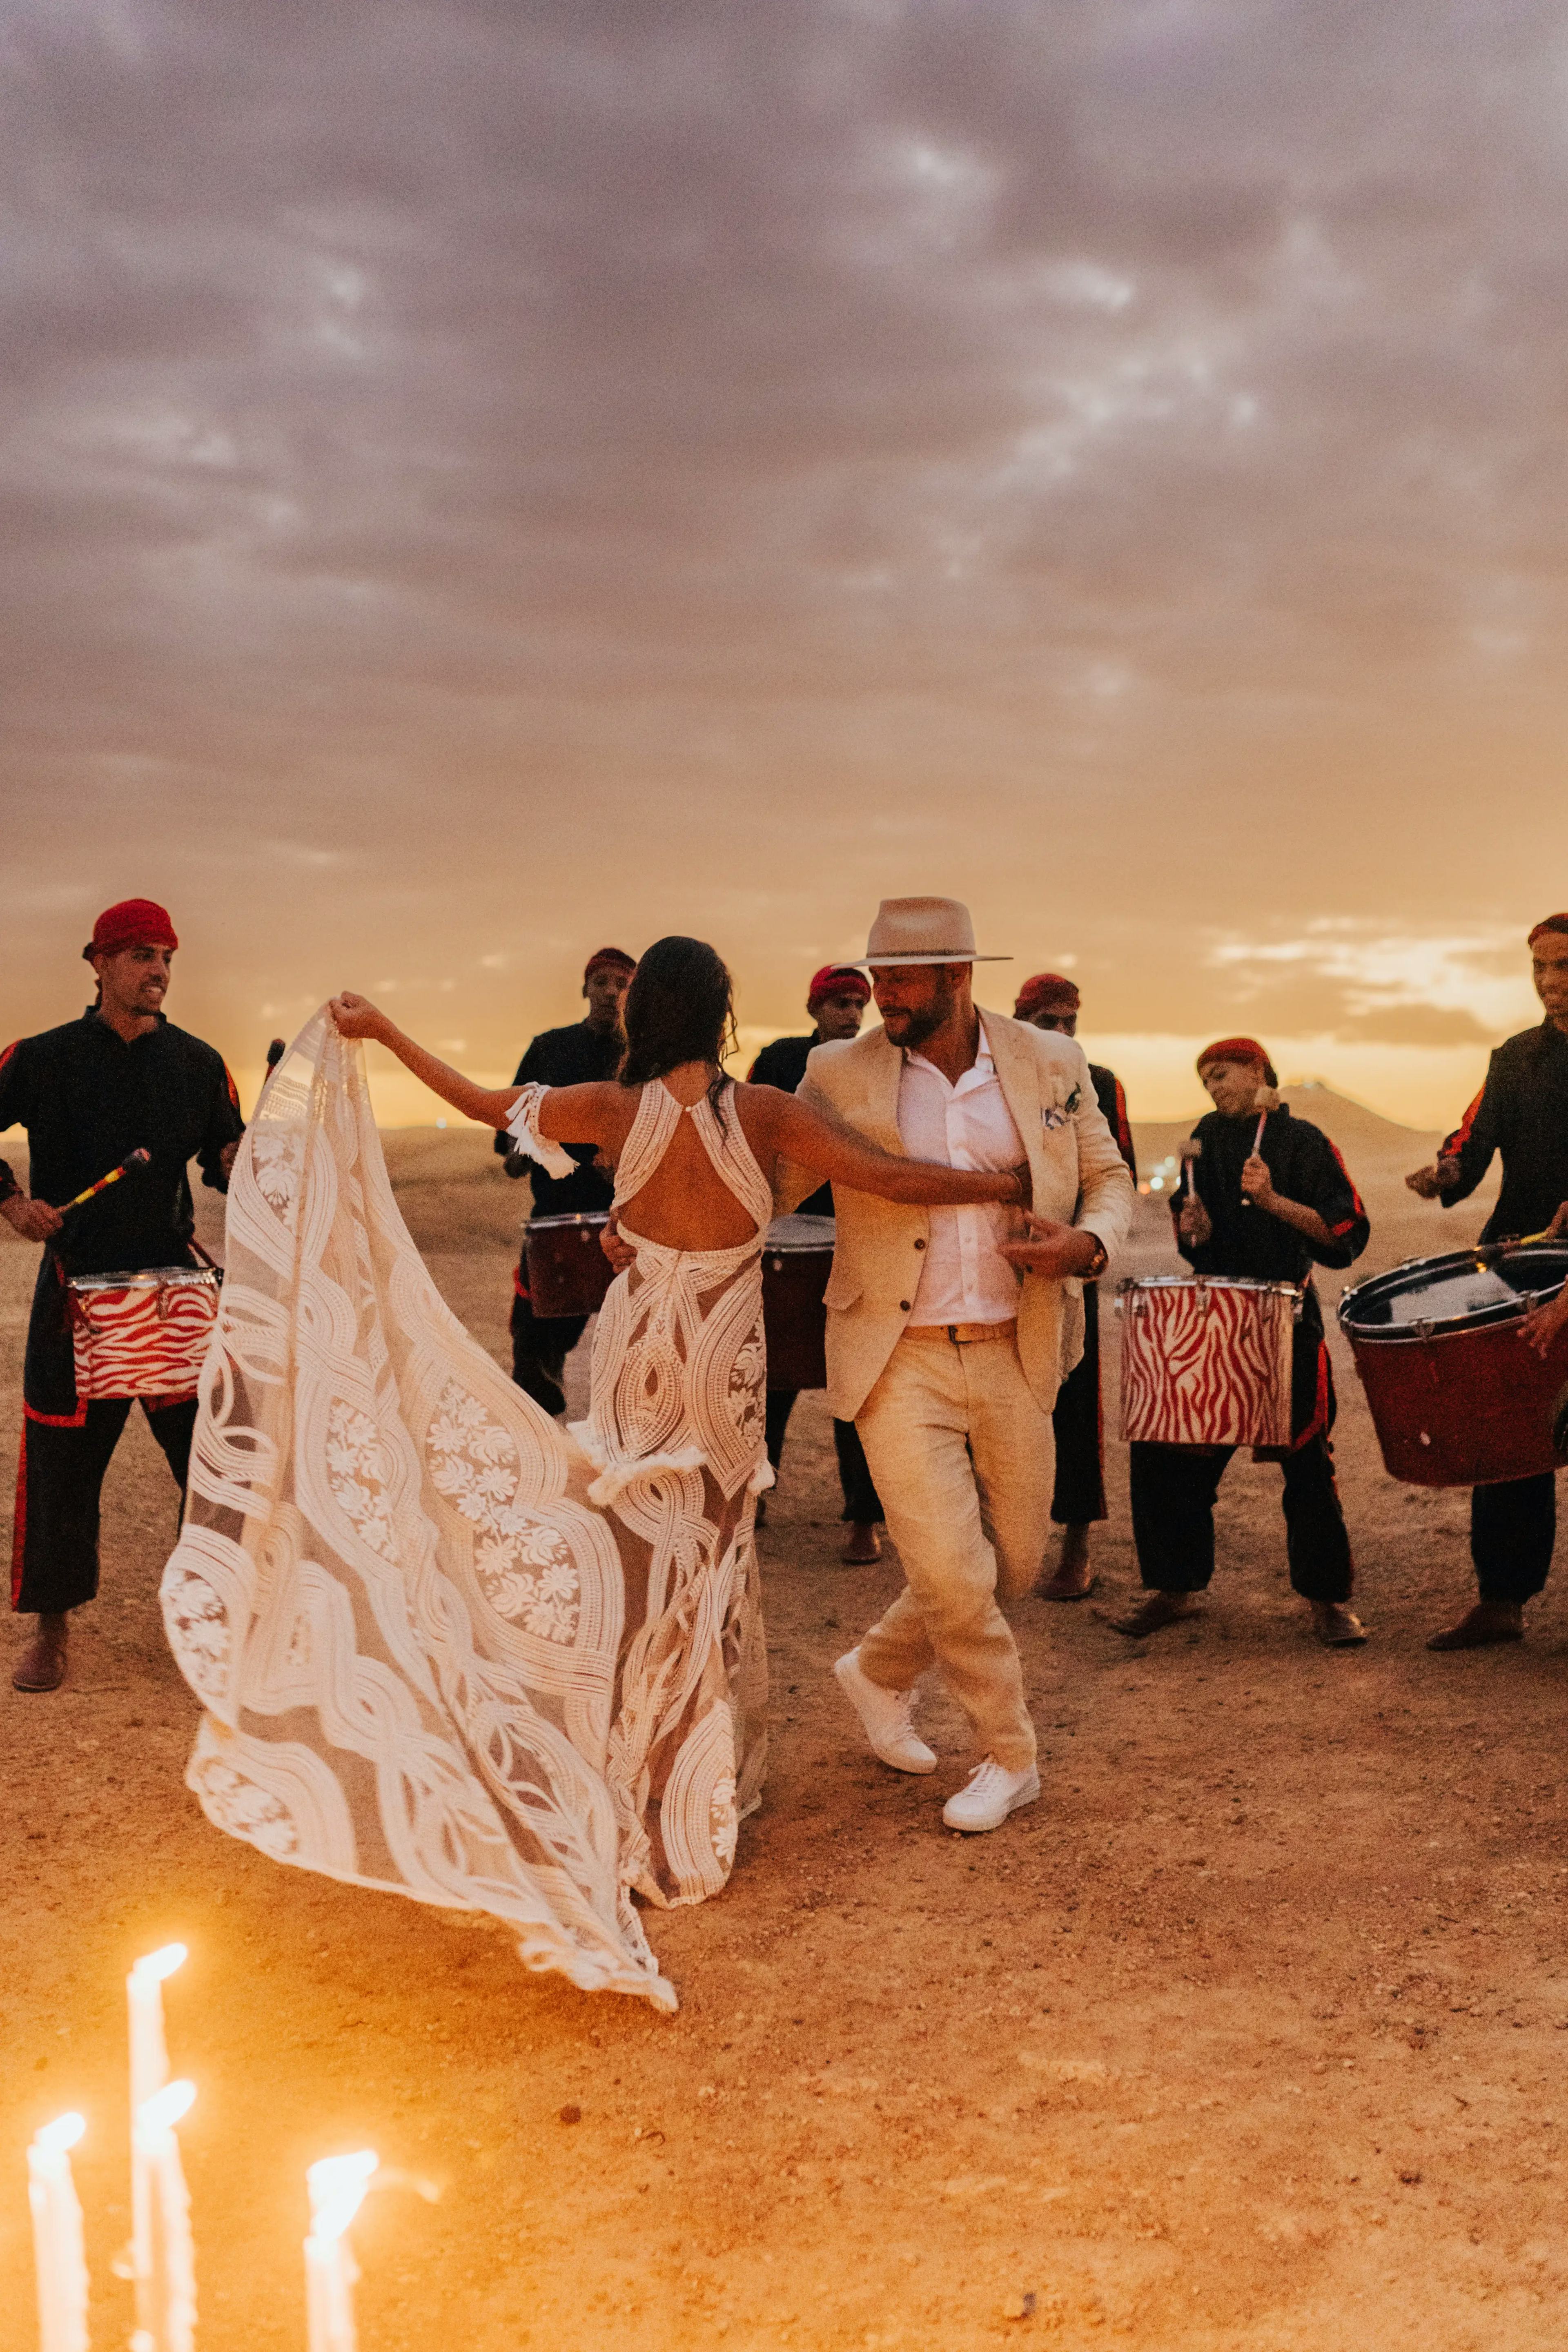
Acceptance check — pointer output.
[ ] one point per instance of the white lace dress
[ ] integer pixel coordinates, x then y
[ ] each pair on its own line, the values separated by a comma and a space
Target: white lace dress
440, 1650
676, 1428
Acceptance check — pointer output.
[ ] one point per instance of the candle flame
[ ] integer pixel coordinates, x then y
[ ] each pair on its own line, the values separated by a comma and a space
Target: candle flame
337, 2186
165, 2108
61, 2134
153, 1966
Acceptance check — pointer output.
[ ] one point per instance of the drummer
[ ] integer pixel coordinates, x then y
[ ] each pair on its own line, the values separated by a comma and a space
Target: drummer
120, 1079
836, 1000
1521, 1112
1050, 1001
583, 1052
1264, 1197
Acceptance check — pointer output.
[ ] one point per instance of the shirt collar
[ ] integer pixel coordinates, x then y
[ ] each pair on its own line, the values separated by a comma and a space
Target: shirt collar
981, 1068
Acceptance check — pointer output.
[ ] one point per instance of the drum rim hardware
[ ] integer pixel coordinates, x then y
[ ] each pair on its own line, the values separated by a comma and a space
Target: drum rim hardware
1497, 1313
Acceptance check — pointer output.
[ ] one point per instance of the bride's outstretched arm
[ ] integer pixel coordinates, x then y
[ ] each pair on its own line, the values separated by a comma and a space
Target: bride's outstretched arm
573, 1114
836, 1152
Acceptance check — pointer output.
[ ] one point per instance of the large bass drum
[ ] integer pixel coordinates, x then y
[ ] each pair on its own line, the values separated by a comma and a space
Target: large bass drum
796, 1263
1457, 1398
1205, 1360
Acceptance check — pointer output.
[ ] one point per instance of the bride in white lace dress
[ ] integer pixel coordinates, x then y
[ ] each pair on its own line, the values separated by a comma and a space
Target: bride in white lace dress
446, 1647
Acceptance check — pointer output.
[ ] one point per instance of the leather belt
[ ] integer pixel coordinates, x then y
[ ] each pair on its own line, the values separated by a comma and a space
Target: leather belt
964, 1334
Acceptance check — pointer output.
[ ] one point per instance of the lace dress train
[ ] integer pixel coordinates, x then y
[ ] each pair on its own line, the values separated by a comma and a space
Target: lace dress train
441, 1649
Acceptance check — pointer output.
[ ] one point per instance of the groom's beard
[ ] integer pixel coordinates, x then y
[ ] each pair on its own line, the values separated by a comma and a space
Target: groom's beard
908, 1027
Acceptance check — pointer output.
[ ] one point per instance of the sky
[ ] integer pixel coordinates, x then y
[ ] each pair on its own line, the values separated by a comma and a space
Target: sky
487, 480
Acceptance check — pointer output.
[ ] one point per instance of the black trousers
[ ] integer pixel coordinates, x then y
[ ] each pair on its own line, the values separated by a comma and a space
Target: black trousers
59, 1484
1174, 1490
1079, 1495
862, 1503
1512, 1530
540, 1346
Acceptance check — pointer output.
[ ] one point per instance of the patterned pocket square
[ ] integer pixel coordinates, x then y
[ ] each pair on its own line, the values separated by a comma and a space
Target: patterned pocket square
1056, 1115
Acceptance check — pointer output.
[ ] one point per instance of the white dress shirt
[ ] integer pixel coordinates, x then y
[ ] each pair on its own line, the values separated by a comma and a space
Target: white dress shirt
964, 1278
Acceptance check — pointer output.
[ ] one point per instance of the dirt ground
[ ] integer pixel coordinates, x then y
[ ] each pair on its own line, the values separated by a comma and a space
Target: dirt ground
1251, 2033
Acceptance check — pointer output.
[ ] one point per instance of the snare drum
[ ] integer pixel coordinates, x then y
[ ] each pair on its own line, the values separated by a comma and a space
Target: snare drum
1457, 1398
568, 1273
1205, 1360
796, 1262
141, 1335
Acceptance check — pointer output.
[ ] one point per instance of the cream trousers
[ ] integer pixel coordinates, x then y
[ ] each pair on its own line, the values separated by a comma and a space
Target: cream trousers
963, 1460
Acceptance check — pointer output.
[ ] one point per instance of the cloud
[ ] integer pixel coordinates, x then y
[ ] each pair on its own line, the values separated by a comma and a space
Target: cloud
515, 476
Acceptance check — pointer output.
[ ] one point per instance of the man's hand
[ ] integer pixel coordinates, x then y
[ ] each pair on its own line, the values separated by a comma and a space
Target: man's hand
1255, 1181
34, 1220
1195, 1222
1542, 1324
226, 1158
620, 1254
1559, 1225
1052, 1250
356, 1016
1431, 1183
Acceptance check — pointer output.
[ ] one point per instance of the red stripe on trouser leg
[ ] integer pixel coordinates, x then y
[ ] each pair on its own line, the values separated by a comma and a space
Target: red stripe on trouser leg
19, 1518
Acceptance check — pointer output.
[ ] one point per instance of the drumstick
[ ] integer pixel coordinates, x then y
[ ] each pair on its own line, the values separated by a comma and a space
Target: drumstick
1267, 1100
128, 1167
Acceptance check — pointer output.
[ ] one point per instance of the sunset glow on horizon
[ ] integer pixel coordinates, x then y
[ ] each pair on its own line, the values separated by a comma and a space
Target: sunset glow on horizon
486, 483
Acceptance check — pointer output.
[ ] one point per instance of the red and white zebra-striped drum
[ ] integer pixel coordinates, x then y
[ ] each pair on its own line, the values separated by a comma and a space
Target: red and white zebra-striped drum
1205, 1360
141, 1335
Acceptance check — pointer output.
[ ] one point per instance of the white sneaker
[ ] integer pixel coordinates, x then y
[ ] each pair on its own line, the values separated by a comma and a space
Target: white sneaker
885, 1716
989, 1795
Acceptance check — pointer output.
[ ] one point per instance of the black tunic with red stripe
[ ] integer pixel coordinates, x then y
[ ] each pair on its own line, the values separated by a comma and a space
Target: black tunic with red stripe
87, 1100
1112, 1102
1522, 1112
1249, 1245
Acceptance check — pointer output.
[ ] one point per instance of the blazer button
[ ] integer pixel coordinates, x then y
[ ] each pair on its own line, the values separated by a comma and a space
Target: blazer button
920, 1245
905, 1305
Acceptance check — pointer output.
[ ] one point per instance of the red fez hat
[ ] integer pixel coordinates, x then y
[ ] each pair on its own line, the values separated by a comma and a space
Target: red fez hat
1547, 923
610, 960
1046, 991
132, 923
1239, 1049
837, 980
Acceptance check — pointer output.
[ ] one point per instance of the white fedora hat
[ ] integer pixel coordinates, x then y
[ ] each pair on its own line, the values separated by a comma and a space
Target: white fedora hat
924, 931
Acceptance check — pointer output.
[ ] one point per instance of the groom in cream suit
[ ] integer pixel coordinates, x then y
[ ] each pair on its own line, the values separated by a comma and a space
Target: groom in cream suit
949, 1331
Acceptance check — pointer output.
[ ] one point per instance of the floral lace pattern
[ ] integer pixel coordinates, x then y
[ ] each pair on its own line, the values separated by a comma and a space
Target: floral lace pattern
523, 1565
395, 1594
400, 1611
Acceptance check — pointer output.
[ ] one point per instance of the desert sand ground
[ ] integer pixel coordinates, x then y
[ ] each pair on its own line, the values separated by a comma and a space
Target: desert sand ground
1251, 2033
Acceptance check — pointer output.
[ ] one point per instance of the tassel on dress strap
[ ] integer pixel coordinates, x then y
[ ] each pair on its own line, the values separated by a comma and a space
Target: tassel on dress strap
524, 1129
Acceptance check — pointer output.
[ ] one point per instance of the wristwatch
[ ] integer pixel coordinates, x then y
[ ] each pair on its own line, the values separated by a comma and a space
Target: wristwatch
1098, 1263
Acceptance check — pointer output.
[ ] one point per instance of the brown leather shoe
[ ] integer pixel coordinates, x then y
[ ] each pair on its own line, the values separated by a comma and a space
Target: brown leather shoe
1337, 1627
862, 1545
42, 1665
1155, 1610
1479, 1628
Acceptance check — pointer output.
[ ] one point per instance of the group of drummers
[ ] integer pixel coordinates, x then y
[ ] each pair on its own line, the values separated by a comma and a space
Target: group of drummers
1232, 1354
1464, 1355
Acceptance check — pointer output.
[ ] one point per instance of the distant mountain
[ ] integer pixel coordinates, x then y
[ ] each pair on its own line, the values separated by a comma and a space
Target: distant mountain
1363, 1135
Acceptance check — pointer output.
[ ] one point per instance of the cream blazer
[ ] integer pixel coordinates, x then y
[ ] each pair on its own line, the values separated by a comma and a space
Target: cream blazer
1079, 1178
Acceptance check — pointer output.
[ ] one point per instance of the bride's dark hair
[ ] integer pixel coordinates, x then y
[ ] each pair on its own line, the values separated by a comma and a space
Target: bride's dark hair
680, 1007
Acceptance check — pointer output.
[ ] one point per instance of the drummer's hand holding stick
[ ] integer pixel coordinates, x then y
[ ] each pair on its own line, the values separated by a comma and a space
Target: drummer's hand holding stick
1194, 1223
1542, 1324
1430, 1183
1257, 1186
36, 1221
